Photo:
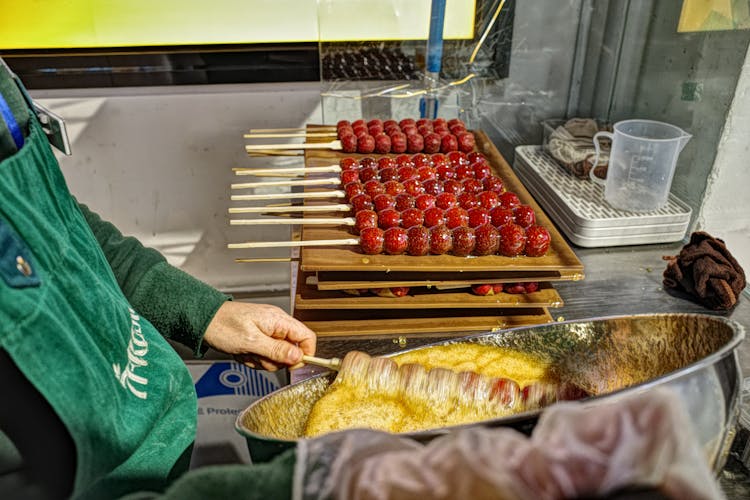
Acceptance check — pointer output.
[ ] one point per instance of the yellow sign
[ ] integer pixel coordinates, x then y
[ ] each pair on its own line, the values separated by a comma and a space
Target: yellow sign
55, 24
714, 15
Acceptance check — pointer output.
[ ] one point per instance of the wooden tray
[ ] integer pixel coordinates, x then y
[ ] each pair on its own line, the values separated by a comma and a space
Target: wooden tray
343, 280
309, 297
560, 257
371, 322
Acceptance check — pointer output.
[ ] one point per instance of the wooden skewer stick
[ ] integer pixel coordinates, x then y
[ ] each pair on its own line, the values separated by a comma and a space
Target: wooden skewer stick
293, 129
335, 145
291, 182
299, 208
275, 152
288, 196
294, 243
345, 221
262, 260
270, 172
333, 363
253, 135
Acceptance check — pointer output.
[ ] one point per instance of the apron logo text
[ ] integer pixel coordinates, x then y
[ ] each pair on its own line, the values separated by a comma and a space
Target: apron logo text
137, 350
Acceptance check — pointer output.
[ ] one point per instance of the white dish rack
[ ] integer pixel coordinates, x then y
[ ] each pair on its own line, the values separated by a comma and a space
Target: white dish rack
580, 211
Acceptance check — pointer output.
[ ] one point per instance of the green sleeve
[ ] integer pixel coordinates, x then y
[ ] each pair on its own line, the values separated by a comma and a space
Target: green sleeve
264, 481
177, 304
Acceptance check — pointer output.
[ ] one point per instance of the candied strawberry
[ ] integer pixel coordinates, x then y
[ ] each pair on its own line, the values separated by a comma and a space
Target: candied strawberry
509, 200
463, 241
406, 173
466, 142
389, 218
386, 162
424, 201
499, 216
441, 240
365, 144
531, 286
453, 186
475, 157
399, 291
383, 202
352, 189
446, 201
467, 201
375, 122
349, 163
361, 202
524, 216
414, 143
404, 201
373, 187
514, 288
365, 219
395, 241
472, 186
404, 160
494, 184
432, 142
371, 240
456, 217
368, 162
433, 187
464, 172
457, 158
412, 217
398, 142
394, 187
434, 217
413, 186
419, 241
482, 290
445, 172
426, 173
388, 174
512, 240
497, 288
478, 217
488, 240
439, 160
421, 160
349, 142
382, 141
488, 199
448, 143
406, 121
481, 170
538, 241
351, 175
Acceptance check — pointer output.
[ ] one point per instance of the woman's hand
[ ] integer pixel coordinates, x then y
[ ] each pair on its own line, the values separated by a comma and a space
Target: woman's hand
259, 335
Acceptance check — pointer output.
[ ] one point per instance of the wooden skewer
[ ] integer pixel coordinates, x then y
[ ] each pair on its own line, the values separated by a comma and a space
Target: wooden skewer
335, 145
288, 196
293, 129
274, 152
345, 221
333, 363
299, 208
291, 182
294, 243
270, 172
262, 260
254, 135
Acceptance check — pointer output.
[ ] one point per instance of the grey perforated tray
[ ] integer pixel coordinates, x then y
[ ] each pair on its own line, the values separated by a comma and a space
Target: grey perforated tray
579, 208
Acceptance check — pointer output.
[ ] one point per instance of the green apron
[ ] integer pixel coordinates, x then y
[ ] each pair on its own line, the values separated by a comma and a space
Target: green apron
120, 389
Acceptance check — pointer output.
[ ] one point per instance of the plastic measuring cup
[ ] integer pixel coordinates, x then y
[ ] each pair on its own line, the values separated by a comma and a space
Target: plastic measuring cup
641, 163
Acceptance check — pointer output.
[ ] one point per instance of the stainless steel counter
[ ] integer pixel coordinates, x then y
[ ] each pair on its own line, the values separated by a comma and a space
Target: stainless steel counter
619, 280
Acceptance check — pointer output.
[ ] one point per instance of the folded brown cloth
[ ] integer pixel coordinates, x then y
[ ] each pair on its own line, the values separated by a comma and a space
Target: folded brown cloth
706, 271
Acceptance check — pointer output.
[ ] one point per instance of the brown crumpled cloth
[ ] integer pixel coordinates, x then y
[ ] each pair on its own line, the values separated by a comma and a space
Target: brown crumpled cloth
707, 271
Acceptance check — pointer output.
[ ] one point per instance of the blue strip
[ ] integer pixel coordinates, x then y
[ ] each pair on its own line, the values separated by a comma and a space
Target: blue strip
435, 40
15, 130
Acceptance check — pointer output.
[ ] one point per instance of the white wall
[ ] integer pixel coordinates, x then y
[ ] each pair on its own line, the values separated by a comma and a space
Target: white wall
157, 162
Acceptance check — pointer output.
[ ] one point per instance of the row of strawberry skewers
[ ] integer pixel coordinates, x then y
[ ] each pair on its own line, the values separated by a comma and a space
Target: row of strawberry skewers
445, 204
